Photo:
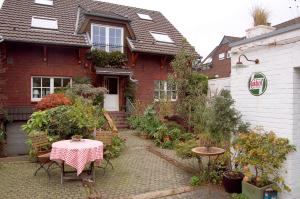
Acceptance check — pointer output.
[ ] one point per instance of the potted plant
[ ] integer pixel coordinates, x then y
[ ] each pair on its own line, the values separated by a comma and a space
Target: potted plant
233, 177
262, 155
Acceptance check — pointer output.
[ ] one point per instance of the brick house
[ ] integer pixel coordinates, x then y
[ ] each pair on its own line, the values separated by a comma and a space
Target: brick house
43, 45
218, 63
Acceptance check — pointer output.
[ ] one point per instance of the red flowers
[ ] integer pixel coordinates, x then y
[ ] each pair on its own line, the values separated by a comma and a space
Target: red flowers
53, 100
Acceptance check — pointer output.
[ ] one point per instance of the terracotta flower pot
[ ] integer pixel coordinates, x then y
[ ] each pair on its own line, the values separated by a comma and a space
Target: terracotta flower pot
232, 181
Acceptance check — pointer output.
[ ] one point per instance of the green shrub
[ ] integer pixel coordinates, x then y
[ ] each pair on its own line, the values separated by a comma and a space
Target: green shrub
116, 147
64, 121
195, 181
184, 149
263, 153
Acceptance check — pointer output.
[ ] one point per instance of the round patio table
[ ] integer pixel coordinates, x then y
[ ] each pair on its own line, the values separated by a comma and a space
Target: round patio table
77, 154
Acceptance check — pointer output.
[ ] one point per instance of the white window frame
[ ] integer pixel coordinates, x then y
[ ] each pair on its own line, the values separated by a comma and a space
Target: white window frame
44, 27
44, 2
228, 55
144, 16
165, 90
51, 85
221, 56
107, 35
160, 41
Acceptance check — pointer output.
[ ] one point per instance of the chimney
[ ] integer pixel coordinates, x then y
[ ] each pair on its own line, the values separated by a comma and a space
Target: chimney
259, 30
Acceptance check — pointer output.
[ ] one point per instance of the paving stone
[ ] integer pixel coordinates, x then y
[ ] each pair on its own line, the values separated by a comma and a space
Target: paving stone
135, 172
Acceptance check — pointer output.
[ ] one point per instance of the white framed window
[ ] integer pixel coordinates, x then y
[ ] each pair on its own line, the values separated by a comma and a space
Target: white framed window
221, 56
144, 17
44, 23
161, 37
43, 86
44, 2
107, 38
164, 91
228, 54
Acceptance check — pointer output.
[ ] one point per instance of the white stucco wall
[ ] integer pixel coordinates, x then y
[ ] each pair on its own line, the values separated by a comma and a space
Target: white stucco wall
216, 85
278, 109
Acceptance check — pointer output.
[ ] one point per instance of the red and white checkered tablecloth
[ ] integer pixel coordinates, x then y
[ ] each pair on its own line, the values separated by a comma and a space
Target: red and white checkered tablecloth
77, 154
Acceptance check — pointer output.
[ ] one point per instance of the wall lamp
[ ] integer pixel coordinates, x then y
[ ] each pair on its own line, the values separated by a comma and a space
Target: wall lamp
240, 64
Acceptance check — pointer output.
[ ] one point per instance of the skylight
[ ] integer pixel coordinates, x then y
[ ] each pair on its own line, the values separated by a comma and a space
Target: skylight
44, 23
1, 3
144, 17
161, 37
44, 2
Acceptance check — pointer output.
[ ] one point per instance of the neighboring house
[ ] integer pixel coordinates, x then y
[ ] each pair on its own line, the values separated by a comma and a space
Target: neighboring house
44, 45
217, 65
268, 93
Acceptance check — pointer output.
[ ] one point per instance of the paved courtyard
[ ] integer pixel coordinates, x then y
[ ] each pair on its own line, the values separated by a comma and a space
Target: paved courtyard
137, 171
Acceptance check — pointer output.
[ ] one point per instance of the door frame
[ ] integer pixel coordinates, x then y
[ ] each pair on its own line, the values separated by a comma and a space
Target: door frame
118, 86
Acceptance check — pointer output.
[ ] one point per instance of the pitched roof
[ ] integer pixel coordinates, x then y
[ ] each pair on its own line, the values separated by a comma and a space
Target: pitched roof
16, 17
287, 23
225, 40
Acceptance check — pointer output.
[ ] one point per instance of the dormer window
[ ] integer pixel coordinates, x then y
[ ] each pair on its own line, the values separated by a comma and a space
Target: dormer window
107, 38
161, 37
144, 17
44, 2
44, 23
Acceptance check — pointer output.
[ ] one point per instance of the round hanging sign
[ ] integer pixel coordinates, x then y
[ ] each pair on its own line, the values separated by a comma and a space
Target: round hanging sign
257, 84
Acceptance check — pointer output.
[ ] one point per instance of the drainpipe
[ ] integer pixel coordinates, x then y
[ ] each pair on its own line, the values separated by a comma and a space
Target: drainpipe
1, 39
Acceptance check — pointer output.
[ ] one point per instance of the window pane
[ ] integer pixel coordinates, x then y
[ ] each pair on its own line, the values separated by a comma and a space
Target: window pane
112, 32
46, 82
118, 33
36, 93
169, 95
169, 86
161, 85
66, 82
162, 95
57, 82
156, 95
174, 95
36, 82
45, 91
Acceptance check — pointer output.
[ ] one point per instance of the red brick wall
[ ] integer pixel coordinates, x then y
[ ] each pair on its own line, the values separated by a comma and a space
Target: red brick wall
222, 68
147, 70
24, 61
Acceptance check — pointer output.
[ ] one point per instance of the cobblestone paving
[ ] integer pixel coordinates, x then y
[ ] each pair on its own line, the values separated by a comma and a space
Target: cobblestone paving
136, 171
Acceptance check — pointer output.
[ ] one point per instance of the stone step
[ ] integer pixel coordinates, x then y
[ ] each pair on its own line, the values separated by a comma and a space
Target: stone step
120, 119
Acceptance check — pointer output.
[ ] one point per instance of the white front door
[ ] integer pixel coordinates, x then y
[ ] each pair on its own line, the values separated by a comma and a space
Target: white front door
111, 99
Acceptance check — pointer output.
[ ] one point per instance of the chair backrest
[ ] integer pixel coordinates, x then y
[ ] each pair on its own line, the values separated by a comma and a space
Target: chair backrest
104, 136
39, 141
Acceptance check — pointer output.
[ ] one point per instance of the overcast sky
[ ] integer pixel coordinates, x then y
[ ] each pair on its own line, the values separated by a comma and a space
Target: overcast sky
204, 22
